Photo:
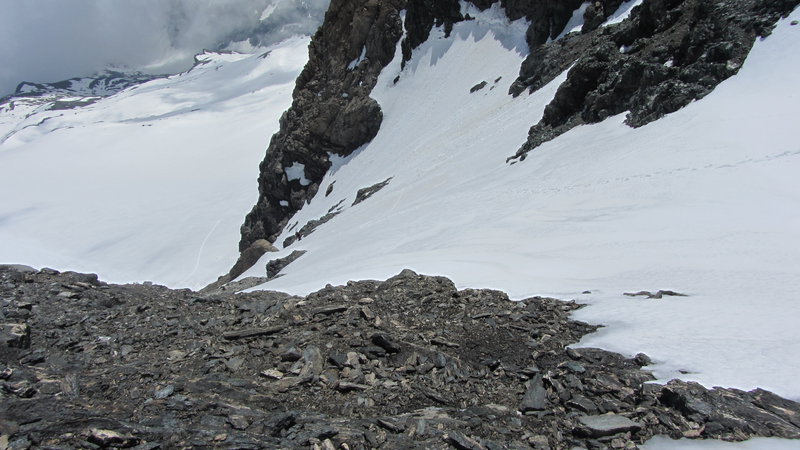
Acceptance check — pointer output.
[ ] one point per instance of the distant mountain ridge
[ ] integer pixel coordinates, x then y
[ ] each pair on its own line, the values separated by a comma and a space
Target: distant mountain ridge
103, 84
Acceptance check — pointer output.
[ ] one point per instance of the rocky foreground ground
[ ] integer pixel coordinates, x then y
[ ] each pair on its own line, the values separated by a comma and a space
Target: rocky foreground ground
410, 362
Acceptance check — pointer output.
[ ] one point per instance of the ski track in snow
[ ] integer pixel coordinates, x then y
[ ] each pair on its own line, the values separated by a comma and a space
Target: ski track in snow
200, 253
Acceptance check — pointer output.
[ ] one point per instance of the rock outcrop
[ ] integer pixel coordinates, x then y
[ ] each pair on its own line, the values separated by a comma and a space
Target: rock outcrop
665, 55
410, 362
331, 111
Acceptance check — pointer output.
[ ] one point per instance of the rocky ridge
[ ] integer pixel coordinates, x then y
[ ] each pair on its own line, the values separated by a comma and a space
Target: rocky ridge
74, 92
410, 362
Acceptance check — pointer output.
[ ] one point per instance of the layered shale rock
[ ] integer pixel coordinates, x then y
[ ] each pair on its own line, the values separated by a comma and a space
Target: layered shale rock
410, 362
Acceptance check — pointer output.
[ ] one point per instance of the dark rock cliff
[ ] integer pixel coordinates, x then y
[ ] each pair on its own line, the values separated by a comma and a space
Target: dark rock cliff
665, 55
331, 109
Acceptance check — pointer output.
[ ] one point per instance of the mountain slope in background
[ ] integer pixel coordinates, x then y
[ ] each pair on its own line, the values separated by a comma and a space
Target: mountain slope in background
46, 40
151, 183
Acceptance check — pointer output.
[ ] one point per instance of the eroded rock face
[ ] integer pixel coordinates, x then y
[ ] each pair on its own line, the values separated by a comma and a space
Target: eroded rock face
331, 110
410, 362
667, 54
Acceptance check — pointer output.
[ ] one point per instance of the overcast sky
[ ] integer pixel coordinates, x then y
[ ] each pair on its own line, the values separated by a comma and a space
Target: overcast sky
52, 40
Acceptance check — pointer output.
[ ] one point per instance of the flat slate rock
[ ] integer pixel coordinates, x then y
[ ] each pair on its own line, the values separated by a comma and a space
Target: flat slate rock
606, 425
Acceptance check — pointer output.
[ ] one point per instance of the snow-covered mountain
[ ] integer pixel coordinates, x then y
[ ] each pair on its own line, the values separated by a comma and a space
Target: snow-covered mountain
153, 182
46, 41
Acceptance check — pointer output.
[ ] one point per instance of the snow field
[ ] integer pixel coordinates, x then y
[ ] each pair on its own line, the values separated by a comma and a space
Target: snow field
152, 183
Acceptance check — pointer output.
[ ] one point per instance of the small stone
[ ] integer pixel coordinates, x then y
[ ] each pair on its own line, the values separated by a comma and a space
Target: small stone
345, 386
352, 359
221, 437
693, 434
535, 398
642, 360
366, 313
337, 359
573, 366
35, 357
253, 332
373, 351
24, 305
390, 425
530, 371
367, 192
606, 425
238, 422
445, 343
15, 335
273, 374
176, 354
582, 403
109, 438
462, 442
639, 294
539, 442
660, 294
477, 87
385, 342
164, 392
291, 354
794, 22
234, 364
332, 309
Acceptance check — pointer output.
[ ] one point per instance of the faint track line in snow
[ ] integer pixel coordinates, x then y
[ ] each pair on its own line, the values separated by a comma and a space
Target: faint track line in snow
200, 252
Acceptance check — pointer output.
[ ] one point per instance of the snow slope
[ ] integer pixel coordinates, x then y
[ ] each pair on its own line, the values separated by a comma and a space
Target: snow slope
151, 183
705, 202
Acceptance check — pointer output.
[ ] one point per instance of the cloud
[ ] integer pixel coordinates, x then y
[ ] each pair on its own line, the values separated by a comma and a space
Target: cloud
52, 40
